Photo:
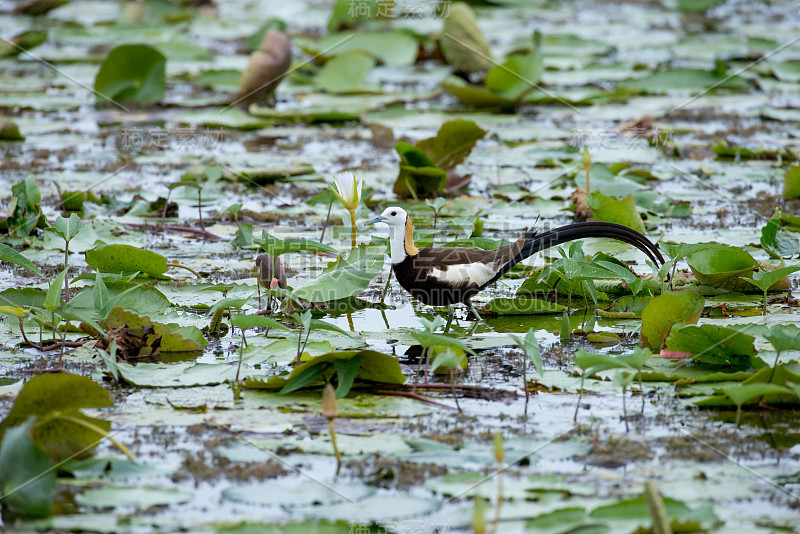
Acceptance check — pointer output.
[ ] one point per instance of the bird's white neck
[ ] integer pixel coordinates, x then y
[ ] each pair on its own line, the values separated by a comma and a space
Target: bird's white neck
401, 240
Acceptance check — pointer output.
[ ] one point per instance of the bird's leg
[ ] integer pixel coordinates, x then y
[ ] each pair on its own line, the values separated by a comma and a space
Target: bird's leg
450, 314
475, 312
478, 318
472, 328
386, 287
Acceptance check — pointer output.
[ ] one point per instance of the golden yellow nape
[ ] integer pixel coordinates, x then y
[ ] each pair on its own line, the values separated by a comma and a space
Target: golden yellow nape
411, 250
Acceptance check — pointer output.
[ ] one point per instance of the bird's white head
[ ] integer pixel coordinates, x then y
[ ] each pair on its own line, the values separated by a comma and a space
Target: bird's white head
392, 216
401, 232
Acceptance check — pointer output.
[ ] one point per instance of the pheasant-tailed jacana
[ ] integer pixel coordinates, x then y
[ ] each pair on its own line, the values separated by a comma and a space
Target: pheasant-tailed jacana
444, 276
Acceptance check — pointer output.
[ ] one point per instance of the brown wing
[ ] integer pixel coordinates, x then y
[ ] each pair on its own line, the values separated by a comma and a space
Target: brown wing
446, 256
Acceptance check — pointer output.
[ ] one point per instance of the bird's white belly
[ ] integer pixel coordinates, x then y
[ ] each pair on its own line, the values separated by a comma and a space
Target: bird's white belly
467, 273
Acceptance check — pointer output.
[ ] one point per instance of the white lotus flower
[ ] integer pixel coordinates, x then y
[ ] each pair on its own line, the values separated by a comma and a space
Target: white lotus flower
348, 190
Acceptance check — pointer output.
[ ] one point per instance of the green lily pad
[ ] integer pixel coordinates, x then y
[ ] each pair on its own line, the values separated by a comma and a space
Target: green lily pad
56, 400
662, 312
791, 182
627, 307
463, 44
474, 95
374, 367
137, 298
272, 493
228, 117
632, 513
275, 246
394, 48
127, 259
9, 131
345, 277
423, 166
375, 508
516, 76
621, 211
140, 498
28, 480
779, 243
722, 266
714, 346
134, 73
345, 74
685, 81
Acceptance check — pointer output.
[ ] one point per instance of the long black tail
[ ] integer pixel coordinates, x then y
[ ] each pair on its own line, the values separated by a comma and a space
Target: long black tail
536, 242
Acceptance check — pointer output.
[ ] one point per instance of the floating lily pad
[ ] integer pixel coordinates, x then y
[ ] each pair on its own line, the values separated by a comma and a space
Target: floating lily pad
345, 277
621, 211
382, 444
9, 131
685, 81
714, 346
132, 73
306, 493
346, 73
62, 430
791, 182
463, 44
374, 367
722, 266
127, 259
395, 48
662, 312
375, 508
28, 480
140, 498
779, 243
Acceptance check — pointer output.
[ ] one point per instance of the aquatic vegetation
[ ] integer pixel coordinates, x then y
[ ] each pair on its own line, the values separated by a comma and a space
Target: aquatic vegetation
167, 164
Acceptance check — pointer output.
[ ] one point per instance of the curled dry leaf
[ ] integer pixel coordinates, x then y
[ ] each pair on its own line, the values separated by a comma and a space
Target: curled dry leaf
267, 67
138, 344
582, 210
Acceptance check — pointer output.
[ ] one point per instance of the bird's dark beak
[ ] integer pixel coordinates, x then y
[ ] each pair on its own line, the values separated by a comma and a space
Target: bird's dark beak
377, 219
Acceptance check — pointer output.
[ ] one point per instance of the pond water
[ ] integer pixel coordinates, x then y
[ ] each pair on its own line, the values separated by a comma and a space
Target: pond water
654, 90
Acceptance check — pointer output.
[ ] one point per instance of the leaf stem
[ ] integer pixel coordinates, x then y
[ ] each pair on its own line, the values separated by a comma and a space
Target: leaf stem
327, 219
96, 429
185, 267
335, 448
200, 208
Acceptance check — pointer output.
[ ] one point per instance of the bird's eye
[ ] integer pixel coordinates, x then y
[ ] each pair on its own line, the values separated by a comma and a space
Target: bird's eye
393, 213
